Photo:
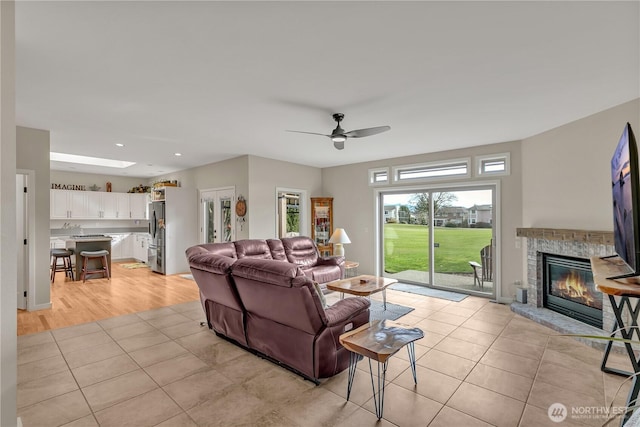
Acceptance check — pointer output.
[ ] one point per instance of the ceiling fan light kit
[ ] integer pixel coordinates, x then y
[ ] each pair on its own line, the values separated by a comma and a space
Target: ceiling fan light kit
339, 136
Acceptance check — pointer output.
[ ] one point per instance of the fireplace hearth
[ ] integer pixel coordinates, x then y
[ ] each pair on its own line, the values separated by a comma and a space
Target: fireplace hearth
569, 289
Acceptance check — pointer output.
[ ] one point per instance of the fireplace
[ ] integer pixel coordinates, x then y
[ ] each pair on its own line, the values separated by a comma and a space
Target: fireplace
569, 289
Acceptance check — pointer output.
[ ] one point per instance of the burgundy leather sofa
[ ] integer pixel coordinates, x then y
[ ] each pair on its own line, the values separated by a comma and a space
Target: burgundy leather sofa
270, 307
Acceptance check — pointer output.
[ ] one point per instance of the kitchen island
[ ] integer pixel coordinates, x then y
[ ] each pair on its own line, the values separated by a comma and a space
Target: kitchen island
88, 243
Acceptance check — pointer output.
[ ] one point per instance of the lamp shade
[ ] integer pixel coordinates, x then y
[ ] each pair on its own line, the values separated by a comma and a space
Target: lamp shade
339, 236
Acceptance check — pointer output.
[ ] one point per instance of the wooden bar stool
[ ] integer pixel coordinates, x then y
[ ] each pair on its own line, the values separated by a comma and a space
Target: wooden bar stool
86, 256
65, 255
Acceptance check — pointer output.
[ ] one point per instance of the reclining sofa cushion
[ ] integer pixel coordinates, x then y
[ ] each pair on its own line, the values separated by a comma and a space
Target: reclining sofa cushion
285, 319
302, 251
220, 300
252, 248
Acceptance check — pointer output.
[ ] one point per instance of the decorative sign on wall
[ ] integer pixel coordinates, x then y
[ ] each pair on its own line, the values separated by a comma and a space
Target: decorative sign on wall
68, 187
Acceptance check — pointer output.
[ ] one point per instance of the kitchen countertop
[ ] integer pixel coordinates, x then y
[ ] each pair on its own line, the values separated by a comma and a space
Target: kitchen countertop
89, 239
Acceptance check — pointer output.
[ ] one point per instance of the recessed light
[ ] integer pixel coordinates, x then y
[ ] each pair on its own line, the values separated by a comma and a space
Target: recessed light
95, 161
119, 145
178, 154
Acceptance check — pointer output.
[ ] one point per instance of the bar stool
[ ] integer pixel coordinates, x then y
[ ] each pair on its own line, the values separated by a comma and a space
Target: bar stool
87, 255
65, 254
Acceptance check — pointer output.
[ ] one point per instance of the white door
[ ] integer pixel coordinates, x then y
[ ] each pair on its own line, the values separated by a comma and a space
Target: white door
22, 242
217, 216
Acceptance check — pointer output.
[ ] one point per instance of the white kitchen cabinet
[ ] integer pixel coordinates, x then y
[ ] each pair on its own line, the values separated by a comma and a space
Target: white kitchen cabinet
138, 205
141, 247
121, 246
65, 204
94, 205
69, 204
115, 206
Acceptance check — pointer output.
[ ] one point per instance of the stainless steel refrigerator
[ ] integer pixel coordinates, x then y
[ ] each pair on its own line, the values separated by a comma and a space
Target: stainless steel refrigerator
157, 228
173, 226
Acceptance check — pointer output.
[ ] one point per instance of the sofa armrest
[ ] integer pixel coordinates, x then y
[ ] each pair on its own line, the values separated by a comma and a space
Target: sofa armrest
332, 260
345, 309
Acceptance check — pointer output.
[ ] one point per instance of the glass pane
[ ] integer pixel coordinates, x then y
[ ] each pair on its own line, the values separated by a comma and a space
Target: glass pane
463, 237
209, 221
406, 237
225, 216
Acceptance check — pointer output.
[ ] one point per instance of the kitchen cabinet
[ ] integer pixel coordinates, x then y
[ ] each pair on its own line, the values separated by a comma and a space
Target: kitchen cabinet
121, 246
322, 223
115, 206
66, 204
141, 247
93, 205
138, 205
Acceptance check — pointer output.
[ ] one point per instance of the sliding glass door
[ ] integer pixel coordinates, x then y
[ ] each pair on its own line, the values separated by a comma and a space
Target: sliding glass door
440, 237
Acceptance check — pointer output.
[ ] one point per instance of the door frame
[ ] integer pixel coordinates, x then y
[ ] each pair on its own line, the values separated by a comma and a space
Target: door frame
30, 251
466, 185
304, 209
201, 233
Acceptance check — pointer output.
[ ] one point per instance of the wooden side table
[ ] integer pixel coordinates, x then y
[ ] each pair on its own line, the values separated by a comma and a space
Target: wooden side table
628, 291
350, 269
379, 340
363, 286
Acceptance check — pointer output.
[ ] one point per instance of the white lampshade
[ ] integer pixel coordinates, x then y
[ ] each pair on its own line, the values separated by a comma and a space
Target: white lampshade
338, 238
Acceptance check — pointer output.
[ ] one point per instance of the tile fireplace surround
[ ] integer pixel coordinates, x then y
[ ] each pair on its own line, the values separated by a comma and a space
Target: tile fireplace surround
577, 243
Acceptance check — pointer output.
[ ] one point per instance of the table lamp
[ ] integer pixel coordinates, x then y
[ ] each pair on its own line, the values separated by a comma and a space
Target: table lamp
338, 238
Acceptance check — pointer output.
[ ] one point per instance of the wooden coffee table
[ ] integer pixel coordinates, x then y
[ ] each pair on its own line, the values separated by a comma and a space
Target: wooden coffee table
363, 286
379, 340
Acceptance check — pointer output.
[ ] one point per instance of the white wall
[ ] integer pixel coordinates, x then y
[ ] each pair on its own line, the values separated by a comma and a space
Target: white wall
8, 259
566, 175
32, 153
229, 173
265, 175
256, 179
354, 205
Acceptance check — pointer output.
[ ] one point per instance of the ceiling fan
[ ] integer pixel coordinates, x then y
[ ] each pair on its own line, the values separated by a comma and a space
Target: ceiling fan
339, 136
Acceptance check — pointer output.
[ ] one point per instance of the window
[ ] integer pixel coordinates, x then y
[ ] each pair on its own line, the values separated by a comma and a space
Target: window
379, 176
458, 168
496, 164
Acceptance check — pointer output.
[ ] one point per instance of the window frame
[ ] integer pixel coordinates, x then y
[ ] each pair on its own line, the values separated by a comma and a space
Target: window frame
464, 161
483, 160
373, 173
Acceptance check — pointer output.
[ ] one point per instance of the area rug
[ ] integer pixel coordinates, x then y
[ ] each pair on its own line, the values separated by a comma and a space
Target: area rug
187, 276
429, 292
393, 311
134, 265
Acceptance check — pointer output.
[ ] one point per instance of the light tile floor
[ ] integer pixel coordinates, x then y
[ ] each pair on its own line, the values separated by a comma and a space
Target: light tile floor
478, 365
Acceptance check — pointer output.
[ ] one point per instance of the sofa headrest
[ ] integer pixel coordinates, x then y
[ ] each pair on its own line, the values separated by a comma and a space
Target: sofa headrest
277, 250
209, 261
300, 250
269, 271
227, 249
253, 248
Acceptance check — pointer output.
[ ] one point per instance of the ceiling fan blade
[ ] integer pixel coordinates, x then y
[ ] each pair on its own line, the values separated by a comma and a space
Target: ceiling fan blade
367, 132
310, 133
339, 145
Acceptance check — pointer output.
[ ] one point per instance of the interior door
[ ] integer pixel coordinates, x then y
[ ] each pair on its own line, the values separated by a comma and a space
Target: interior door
217, 216
22, 242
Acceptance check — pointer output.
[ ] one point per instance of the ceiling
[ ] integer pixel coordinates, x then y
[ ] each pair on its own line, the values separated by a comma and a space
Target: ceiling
216, 80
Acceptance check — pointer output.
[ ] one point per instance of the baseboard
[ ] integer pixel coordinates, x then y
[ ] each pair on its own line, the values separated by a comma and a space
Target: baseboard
37, 307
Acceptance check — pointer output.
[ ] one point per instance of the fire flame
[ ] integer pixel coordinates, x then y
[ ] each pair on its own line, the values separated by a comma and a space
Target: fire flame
573, 287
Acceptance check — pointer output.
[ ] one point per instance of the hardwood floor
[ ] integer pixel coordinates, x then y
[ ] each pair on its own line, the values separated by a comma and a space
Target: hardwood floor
128, 291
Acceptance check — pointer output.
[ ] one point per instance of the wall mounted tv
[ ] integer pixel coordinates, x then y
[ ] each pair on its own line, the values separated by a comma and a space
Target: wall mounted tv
626, 186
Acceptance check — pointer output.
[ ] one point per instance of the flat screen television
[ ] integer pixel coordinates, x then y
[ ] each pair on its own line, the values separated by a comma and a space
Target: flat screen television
625, 187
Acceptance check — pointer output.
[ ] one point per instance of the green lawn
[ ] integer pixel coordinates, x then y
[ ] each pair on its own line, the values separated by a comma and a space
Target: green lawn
406, 247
